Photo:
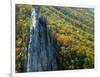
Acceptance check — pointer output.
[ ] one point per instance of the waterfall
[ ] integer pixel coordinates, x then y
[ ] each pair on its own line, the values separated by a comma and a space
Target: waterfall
41, 54
33, 17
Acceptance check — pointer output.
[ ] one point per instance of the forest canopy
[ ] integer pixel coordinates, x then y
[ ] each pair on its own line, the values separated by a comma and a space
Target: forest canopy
71, 27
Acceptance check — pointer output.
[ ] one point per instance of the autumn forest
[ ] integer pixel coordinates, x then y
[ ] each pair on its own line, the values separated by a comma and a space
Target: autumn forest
50, 38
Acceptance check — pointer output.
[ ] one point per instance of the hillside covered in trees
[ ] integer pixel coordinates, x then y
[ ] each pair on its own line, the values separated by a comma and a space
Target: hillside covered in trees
71, 27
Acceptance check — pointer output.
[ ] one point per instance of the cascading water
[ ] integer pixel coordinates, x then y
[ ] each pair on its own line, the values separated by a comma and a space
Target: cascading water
41, 54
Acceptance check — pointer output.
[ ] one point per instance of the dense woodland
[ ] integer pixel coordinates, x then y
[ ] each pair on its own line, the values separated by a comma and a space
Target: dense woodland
72, 28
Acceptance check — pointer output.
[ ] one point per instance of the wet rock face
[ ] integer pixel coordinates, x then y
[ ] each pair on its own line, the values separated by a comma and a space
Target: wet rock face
41, 49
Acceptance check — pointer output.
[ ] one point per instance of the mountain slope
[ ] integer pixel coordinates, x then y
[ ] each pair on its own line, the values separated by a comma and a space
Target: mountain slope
73, 29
